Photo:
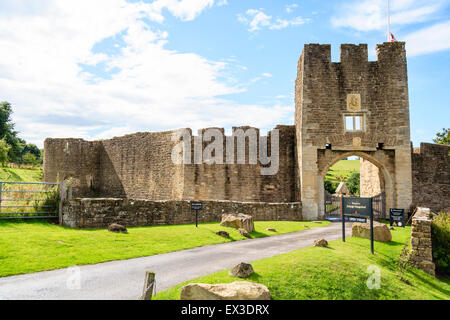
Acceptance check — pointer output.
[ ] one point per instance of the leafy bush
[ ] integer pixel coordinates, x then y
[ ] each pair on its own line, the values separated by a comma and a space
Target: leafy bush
29, 158
331, 186
440, 234
353, 183
4, 149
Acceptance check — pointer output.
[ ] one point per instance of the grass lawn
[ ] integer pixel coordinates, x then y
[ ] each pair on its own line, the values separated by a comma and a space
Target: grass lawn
343, 168
337, 272
31, 246
19, 175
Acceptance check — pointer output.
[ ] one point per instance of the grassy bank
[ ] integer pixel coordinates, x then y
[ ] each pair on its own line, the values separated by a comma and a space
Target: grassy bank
31, 246
19, 175
338, 272
342, 169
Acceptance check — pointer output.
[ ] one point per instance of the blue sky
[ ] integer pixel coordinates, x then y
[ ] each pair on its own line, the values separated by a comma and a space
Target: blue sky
104, 68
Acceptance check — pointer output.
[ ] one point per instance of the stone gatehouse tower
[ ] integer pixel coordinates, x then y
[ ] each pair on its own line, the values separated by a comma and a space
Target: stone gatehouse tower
353, 107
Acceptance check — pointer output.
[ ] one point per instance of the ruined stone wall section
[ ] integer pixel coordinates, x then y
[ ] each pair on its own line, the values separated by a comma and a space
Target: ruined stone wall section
139, 166
100, 213
244, 182
431, 177
74, 159
421, 255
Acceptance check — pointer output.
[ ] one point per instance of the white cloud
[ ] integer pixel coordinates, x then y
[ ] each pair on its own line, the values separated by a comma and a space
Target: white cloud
151, 88
183, 9
371, 15
432, 39
221, 3
290, 7
256, 19
263, 75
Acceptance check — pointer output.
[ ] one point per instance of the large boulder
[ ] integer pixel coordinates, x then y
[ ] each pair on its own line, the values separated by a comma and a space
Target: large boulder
320, 243
380, 231
238, 221
240, 290
242, 270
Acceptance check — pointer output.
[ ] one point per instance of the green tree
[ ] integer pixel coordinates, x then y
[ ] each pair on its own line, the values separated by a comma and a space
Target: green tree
29, 158
330, 186
4, 148
8, 133
443, 137
353, 183
32, 149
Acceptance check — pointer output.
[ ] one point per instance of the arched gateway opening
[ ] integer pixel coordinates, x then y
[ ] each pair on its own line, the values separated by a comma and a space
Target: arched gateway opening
376, 171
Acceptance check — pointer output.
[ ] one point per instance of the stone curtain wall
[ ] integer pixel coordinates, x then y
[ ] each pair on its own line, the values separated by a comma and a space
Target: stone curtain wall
431, 177
238, 182
379, 92
421, 247
134, 166
73, 158
100, 213
139, 166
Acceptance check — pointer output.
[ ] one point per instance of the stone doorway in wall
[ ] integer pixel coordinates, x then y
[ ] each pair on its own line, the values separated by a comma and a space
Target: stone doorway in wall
356, 176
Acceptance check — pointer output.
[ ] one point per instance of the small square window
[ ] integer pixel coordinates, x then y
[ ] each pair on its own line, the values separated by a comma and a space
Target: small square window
353, 123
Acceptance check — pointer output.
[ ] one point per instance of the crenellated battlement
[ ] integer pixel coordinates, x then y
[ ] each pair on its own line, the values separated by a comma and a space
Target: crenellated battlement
352, 54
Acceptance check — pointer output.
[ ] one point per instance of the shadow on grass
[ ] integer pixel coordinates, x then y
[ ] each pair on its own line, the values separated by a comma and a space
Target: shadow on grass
257, 234
419, 277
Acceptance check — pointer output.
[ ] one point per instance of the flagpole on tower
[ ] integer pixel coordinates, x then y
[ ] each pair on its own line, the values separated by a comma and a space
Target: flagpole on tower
389, 39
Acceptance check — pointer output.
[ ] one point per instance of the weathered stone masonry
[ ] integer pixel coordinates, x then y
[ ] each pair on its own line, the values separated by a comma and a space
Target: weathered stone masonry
99, 213
421, 255
431, 177
139, 166
376, 92
373, 95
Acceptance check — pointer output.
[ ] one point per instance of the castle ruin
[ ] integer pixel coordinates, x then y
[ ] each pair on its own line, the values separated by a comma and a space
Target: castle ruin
354, 107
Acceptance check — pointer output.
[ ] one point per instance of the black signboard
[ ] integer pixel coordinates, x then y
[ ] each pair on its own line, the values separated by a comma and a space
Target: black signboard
196, 205
357, 210
357, 207
397, 216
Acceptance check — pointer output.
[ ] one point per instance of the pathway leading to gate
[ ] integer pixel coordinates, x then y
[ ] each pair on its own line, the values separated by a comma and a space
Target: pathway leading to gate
124, 279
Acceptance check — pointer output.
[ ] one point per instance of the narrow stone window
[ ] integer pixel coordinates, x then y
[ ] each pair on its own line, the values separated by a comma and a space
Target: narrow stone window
328, 146
353, 123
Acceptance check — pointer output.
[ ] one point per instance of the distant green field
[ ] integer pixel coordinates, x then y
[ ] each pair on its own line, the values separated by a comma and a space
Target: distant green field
343, 169
18, 175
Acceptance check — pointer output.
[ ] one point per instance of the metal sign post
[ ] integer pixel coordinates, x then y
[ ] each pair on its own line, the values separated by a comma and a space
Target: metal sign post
343, 219
357, 209
196, 205
371, 228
